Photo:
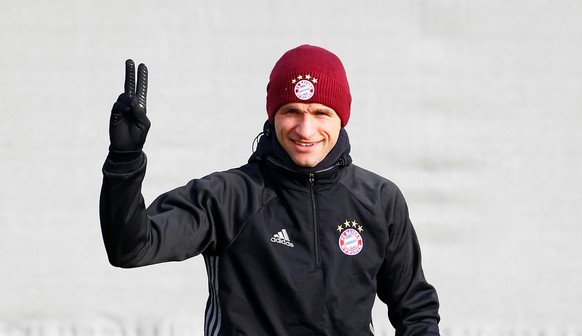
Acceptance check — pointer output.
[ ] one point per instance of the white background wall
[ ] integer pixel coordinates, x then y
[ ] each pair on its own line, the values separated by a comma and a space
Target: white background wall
472, 107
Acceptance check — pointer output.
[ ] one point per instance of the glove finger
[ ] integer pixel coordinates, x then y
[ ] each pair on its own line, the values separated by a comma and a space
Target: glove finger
123, 104
142, 85
139, 113
129, 85
119, 109
125, 98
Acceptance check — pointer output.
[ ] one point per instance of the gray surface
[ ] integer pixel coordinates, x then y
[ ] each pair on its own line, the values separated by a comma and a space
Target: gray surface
472, 107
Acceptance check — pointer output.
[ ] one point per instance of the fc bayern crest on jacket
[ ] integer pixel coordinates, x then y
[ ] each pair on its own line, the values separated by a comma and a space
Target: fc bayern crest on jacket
304, 88
350, 240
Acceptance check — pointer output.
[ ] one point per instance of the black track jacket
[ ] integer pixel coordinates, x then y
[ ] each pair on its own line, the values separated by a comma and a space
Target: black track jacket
287, 251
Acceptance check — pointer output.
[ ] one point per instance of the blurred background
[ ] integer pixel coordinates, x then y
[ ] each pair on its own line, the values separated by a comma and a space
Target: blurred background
473, 108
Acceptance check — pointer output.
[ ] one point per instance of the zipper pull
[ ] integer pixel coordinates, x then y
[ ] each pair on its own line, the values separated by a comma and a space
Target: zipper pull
311, 177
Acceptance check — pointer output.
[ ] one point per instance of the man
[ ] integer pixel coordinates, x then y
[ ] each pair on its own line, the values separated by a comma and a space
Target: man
298, 241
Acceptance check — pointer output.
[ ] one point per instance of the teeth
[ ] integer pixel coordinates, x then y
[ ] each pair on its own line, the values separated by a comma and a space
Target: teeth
304, 144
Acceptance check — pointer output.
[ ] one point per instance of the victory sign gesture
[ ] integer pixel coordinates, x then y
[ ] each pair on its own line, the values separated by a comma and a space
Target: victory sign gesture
129, 125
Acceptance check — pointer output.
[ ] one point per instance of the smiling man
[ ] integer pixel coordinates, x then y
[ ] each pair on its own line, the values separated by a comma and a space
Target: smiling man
298, 241
307, 132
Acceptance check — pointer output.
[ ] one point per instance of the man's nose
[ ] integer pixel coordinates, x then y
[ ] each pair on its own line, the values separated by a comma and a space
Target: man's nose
306, 126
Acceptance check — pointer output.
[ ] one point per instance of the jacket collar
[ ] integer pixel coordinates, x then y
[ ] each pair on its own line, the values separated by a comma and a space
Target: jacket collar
268, 148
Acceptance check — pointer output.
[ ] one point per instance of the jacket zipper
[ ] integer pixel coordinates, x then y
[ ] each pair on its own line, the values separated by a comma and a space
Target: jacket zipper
317, 258
315, 225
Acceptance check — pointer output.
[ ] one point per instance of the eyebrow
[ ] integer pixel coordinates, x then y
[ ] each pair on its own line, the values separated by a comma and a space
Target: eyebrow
322, 110
319, 109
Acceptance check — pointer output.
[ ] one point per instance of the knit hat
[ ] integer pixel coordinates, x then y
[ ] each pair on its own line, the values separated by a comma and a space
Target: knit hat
309, 74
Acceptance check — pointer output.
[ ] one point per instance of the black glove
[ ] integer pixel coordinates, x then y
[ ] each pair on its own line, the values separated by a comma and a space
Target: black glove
129, 125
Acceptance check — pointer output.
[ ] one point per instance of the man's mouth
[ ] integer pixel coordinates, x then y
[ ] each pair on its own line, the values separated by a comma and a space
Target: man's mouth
306, 144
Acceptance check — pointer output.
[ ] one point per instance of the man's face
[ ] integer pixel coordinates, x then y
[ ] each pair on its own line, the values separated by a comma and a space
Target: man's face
307, 131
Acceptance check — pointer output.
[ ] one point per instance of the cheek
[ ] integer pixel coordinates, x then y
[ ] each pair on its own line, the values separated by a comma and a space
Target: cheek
333, 133
281, 135
283, 127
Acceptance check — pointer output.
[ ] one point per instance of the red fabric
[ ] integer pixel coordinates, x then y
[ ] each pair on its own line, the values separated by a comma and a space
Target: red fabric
324, 81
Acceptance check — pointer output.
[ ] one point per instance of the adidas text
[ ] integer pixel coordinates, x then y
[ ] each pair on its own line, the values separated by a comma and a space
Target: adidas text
282, 238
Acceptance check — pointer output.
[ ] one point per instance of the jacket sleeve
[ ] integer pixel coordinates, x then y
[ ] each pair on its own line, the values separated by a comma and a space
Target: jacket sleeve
412, 302
200, 217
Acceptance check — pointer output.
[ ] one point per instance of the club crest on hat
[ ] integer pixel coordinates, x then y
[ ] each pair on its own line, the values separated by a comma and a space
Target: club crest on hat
304, 88
350, 240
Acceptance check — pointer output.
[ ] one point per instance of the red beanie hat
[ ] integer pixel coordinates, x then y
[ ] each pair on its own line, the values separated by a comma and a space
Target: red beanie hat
309, 74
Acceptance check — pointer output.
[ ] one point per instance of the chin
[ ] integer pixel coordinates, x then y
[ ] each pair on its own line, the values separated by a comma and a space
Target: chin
305, 164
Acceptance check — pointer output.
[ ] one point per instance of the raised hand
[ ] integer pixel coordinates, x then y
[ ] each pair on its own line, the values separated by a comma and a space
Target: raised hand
129, 125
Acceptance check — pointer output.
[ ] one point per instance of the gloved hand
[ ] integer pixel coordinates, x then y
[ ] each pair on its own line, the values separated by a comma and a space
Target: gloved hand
129, 125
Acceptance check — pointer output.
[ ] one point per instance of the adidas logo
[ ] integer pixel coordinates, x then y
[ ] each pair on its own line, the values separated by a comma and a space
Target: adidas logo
282, 238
